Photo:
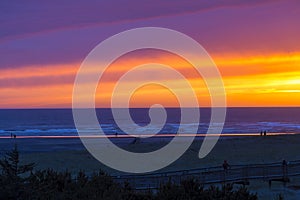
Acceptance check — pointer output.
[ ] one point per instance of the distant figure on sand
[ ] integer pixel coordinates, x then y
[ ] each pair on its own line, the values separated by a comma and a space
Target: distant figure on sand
284, 168
261, 133
284, 163
15, 136
265, 133
136, 140
225, 165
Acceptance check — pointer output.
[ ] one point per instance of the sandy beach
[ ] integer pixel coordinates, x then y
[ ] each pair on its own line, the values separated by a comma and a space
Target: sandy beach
238, 150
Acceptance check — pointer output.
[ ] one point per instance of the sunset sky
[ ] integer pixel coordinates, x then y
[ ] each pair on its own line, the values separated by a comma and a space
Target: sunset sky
255, 45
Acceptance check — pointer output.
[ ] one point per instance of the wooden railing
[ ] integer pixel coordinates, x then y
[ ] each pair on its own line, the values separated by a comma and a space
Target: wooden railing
237, 173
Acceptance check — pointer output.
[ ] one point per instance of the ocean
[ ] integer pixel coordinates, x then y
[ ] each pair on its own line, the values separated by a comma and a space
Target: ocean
42, 122
59, 122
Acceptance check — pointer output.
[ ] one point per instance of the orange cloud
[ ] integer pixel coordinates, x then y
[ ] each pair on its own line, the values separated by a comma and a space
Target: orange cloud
250, 80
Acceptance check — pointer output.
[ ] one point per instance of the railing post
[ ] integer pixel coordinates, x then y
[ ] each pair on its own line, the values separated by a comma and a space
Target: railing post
265, 173
245, 173
224, 173
285, 173
202, 175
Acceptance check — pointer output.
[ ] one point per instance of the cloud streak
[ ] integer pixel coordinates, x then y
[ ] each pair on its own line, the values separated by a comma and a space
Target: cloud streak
21, 18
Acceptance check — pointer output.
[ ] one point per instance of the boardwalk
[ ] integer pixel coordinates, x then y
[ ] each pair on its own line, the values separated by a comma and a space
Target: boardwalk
237, 173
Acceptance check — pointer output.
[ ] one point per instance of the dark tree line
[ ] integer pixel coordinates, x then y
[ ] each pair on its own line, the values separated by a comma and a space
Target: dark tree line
22, 182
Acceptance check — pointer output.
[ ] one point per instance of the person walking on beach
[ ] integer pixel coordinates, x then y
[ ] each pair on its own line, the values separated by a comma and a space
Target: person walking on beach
226, 166
284, 163
265, 133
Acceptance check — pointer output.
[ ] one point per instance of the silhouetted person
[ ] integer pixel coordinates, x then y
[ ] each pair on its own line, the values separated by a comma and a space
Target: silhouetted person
136, 140
265, 133
261, 133
15, 136
225, 165
284, 163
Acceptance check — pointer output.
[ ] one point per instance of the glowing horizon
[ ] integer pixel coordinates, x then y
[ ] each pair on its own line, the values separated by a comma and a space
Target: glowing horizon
245, 84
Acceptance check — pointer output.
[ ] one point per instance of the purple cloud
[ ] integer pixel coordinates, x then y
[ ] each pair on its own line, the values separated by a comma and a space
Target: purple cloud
19, 18
37, 34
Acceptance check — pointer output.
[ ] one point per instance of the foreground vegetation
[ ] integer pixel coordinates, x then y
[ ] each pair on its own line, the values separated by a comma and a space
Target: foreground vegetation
23, 182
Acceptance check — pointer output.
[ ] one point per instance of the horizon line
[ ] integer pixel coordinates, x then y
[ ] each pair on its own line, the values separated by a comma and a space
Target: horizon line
171, 107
